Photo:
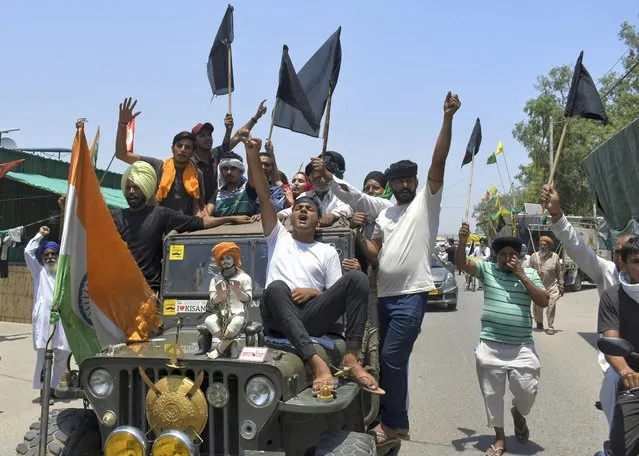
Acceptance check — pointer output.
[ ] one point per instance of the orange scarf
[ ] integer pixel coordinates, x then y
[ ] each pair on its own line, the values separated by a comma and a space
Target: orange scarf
189, 179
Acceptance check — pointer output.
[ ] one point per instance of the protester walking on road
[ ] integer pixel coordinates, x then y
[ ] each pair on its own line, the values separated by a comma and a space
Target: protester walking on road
43, 275
548, 265
506, 352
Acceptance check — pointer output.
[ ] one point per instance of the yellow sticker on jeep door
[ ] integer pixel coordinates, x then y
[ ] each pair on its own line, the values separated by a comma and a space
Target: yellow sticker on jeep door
170, 307
176, 252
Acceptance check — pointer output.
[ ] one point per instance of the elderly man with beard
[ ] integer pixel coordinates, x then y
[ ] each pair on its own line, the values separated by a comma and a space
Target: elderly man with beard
43, 284
306, 292
604, 273
403, 240
548, 265
506, 352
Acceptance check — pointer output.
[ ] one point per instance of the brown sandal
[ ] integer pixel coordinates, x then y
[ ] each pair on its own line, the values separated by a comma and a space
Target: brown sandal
383, 442
347, 372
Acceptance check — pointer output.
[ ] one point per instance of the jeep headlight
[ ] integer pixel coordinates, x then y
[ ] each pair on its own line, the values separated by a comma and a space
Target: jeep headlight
100, 383
260, 391
173, 443
126, 440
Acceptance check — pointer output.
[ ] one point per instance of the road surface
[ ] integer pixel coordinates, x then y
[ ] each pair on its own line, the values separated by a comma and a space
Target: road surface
447, 409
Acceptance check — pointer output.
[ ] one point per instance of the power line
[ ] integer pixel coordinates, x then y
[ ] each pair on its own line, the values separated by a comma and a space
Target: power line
621, 79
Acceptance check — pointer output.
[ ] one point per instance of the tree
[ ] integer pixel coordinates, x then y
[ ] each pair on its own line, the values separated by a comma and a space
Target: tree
621, 100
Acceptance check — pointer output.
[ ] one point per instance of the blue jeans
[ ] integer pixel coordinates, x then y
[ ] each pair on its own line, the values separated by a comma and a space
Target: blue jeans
400, 322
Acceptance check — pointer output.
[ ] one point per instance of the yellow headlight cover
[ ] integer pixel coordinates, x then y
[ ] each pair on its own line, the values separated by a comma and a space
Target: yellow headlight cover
123, 444
170, 445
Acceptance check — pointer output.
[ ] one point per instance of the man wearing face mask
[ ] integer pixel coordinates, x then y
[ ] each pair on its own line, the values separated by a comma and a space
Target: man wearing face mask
330, 206
43, 276
506, 351
548, 265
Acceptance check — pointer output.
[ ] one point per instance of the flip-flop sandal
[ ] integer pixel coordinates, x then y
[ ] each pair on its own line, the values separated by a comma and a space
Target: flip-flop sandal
384, 443
348, 373
522, 433
495, 451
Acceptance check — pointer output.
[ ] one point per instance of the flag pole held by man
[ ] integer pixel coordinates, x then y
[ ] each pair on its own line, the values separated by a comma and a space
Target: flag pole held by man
100, 292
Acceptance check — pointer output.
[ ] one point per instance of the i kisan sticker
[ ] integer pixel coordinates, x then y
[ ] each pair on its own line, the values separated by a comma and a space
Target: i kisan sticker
170, 307
176, 252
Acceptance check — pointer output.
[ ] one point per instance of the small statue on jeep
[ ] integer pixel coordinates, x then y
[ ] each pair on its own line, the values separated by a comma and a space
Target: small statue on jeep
230, 290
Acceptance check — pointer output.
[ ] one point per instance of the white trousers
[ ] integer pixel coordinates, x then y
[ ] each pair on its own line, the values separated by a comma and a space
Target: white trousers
58, 369
608, 393
233, 329
499, 363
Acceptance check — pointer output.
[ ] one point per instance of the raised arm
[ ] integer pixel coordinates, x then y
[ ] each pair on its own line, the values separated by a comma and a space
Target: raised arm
33, 264
356, 199
126, 116
442, 147
575, 246
238, 136
463, 263
260, 184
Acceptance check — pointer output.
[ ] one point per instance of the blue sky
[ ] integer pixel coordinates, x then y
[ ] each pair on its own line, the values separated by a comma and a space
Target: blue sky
65, 60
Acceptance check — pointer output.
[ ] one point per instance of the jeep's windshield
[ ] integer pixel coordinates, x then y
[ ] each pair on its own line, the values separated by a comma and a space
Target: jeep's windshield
190, 266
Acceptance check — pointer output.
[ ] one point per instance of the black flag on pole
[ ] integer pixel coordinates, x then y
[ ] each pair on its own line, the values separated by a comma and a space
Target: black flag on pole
317, 77
583, 98
473, 144
290, 91
217, 67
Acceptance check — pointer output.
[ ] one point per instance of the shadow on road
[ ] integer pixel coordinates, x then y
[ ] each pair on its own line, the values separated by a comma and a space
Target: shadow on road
591, 338
11, 337
482, 442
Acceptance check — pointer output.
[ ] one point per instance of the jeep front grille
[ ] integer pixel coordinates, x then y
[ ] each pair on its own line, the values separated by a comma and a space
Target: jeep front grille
221, 435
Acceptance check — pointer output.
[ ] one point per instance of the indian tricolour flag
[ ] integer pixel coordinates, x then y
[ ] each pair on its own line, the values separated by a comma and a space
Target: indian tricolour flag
100, 292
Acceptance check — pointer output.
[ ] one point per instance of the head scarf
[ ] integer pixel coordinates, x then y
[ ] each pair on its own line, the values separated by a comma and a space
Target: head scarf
50, 245
402, 169
548, 240
227, 248
143, 175
507, 241
338, 159
232, 160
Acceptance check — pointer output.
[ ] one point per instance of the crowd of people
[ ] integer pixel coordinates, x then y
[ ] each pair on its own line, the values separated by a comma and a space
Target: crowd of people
308, 289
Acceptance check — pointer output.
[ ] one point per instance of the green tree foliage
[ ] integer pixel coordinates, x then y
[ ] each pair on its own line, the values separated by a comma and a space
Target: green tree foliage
621, 100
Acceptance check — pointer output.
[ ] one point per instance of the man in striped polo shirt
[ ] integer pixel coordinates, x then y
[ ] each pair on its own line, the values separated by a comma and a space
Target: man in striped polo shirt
506, 352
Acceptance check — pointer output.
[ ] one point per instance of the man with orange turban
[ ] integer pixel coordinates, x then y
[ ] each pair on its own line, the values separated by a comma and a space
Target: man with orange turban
230, 290
548, 265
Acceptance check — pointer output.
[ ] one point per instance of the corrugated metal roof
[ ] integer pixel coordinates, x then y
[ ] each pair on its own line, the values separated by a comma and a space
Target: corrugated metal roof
113, 197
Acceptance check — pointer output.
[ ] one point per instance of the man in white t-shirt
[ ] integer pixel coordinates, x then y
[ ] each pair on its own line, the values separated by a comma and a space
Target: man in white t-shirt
482, 250
306, 293
403, 241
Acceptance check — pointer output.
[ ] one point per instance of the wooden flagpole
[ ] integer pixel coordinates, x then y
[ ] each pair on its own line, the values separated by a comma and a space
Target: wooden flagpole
270, 132
470, 186
560, 147
230, 75
327, 121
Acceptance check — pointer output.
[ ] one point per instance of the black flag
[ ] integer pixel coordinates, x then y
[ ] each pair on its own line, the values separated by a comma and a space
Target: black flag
317, 77
583, 98
473, 144
500, 223
217, 67
291, 92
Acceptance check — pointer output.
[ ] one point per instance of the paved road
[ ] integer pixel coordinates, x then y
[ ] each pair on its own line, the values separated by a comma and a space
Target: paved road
447, 410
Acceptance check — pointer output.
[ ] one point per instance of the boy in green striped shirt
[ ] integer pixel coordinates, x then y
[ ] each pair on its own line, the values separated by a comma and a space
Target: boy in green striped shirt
506, 351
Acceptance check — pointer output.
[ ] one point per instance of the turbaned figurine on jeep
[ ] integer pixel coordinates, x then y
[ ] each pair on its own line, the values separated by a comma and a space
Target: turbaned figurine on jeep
230, 290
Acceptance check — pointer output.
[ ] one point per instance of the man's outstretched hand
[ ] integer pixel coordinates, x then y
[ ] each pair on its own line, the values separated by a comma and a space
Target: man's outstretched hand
464, 232
451, 104
126, 111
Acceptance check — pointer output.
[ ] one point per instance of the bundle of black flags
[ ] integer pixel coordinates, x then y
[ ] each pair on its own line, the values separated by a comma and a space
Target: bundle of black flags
317, 80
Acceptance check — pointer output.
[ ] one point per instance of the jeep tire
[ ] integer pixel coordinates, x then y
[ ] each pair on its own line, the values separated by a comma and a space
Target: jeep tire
71, 432
345, 443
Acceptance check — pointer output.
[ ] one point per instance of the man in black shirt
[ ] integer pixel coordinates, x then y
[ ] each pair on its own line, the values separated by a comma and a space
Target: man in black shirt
619, 317
143, 227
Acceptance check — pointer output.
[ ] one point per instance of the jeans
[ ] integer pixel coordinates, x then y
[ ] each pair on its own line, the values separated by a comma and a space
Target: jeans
400, 321
316, 317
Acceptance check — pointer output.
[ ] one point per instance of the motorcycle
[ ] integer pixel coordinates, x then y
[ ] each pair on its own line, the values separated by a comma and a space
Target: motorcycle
621, 444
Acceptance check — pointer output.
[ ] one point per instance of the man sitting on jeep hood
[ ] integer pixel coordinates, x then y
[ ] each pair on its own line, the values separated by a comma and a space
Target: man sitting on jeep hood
306, 292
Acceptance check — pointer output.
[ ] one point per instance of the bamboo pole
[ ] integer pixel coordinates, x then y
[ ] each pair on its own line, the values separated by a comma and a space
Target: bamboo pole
327, 121
470, 186
560, 147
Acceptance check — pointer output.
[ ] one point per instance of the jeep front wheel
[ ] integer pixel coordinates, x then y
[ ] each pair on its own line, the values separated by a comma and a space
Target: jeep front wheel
345, 443
71, 432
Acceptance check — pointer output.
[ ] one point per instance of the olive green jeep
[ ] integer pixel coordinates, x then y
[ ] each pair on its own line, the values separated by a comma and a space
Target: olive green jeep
162, 398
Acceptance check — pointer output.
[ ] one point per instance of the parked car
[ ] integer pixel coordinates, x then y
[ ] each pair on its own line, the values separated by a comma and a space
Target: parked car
446, 292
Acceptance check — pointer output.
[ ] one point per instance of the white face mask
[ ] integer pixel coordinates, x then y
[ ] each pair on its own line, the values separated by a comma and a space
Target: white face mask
632, 289
227, 262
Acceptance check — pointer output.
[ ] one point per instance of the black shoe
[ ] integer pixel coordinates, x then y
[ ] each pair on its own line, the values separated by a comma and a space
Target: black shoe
540, 326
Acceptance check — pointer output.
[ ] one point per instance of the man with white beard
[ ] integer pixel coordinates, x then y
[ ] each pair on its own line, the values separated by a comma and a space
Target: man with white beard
43, 284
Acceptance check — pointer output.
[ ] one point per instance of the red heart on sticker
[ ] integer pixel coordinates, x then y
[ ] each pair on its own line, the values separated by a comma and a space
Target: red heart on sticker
182, 307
